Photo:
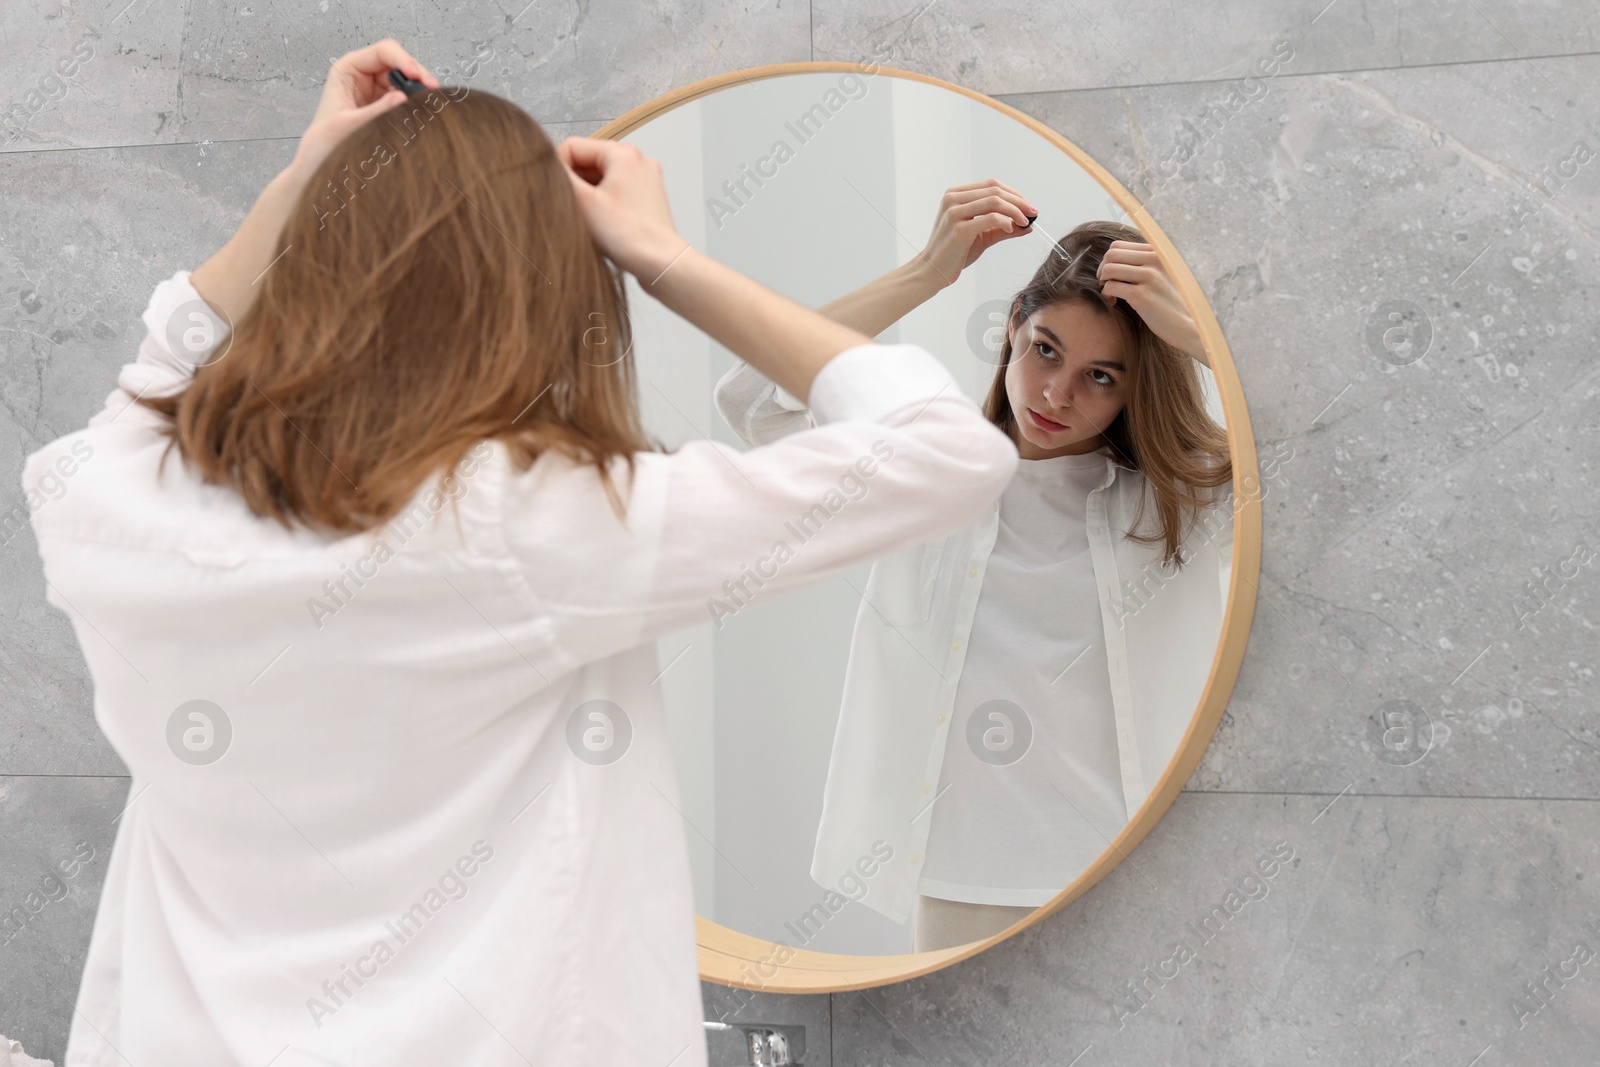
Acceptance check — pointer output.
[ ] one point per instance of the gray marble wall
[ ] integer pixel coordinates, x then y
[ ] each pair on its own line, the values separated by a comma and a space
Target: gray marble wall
1429, 547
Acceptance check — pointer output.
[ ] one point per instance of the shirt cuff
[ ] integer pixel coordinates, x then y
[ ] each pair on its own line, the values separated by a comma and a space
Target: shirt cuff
184, 336
158, 370
785, 399
867, 382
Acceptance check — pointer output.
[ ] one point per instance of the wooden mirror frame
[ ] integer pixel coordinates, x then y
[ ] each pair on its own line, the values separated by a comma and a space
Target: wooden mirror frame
731, 958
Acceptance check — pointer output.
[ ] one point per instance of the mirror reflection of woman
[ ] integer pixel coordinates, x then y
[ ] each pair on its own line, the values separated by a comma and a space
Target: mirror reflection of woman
1014, 690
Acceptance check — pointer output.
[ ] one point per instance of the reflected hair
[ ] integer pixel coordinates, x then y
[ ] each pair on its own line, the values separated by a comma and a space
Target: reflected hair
1163, 430
451, 297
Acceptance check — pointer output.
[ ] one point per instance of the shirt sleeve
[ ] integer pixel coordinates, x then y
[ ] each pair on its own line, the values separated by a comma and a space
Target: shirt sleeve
182, 331
899, 455
757, 408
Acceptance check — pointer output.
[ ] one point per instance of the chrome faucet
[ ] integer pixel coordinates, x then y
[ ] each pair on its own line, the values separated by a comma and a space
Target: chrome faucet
769, 1044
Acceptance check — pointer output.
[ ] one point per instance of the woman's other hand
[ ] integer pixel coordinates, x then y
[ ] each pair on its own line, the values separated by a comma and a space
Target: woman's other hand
624, 201
357, 89
971, 219
1132, 271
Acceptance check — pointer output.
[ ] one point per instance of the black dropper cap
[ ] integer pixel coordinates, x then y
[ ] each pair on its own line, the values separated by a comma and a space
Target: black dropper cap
405, 84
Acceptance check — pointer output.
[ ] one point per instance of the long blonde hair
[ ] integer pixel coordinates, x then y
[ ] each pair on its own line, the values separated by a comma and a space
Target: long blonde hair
451, 296
1163, 431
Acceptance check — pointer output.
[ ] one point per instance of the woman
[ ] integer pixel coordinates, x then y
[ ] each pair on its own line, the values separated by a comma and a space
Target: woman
401, 790
1073, 624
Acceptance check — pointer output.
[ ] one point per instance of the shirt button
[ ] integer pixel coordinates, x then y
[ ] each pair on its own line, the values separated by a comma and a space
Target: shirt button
955, 644
973, 573
924, 787
915, 858
941, 716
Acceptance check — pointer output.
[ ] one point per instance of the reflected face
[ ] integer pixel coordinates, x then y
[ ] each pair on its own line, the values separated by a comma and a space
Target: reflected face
1067, 379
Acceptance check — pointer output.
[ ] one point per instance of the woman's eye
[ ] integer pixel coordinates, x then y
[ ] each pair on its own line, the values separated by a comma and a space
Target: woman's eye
1044, 350
1107, 381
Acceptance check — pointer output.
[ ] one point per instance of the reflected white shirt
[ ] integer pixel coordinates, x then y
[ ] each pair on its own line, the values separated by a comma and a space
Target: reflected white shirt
1031, 790
417, 768
909, 647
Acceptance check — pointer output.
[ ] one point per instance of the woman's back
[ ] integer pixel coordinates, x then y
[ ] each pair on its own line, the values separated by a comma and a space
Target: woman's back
425, 810
377, 796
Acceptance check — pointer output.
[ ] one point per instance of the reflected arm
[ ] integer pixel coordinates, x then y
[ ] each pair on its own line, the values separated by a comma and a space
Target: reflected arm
760, 411
884, 301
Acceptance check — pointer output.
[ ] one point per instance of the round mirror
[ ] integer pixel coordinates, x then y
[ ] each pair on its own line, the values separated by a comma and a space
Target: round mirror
888, 771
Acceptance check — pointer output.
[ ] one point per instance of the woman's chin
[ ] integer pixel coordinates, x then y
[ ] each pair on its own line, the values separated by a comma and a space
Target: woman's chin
1051, 444
1040, 442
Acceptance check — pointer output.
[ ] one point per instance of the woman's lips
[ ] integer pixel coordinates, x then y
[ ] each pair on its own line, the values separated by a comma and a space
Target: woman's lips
1044, 423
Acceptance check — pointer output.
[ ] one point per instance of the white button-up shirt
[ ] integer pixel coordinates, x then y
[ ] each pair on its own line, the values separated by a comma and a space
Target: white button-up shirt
910, 641
405, 797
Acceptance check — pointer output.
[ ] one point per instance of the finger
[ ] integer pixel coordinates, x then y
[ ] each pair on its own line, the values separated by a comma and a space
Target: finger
991, 203
378, 58
968, 187
577, 171
1128, 291
587, 173
596, 151
567, 151
981, 224
565, 148
1125, 273
992, 190
986, 231
963, 193
593, 156
1135, 256
1015, 193
582, 188
986, 183
391, 99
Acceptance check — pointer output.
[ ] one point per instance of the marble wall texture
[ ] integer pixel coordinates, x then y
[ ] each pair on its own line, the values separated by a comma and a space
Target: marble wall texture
1440, 155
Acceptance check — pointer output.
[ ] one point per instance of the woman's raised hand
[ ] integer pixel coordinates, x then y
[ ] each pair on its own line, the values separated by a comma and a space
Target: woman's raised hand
1132, 271
624, 201
971, 219
357, 90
